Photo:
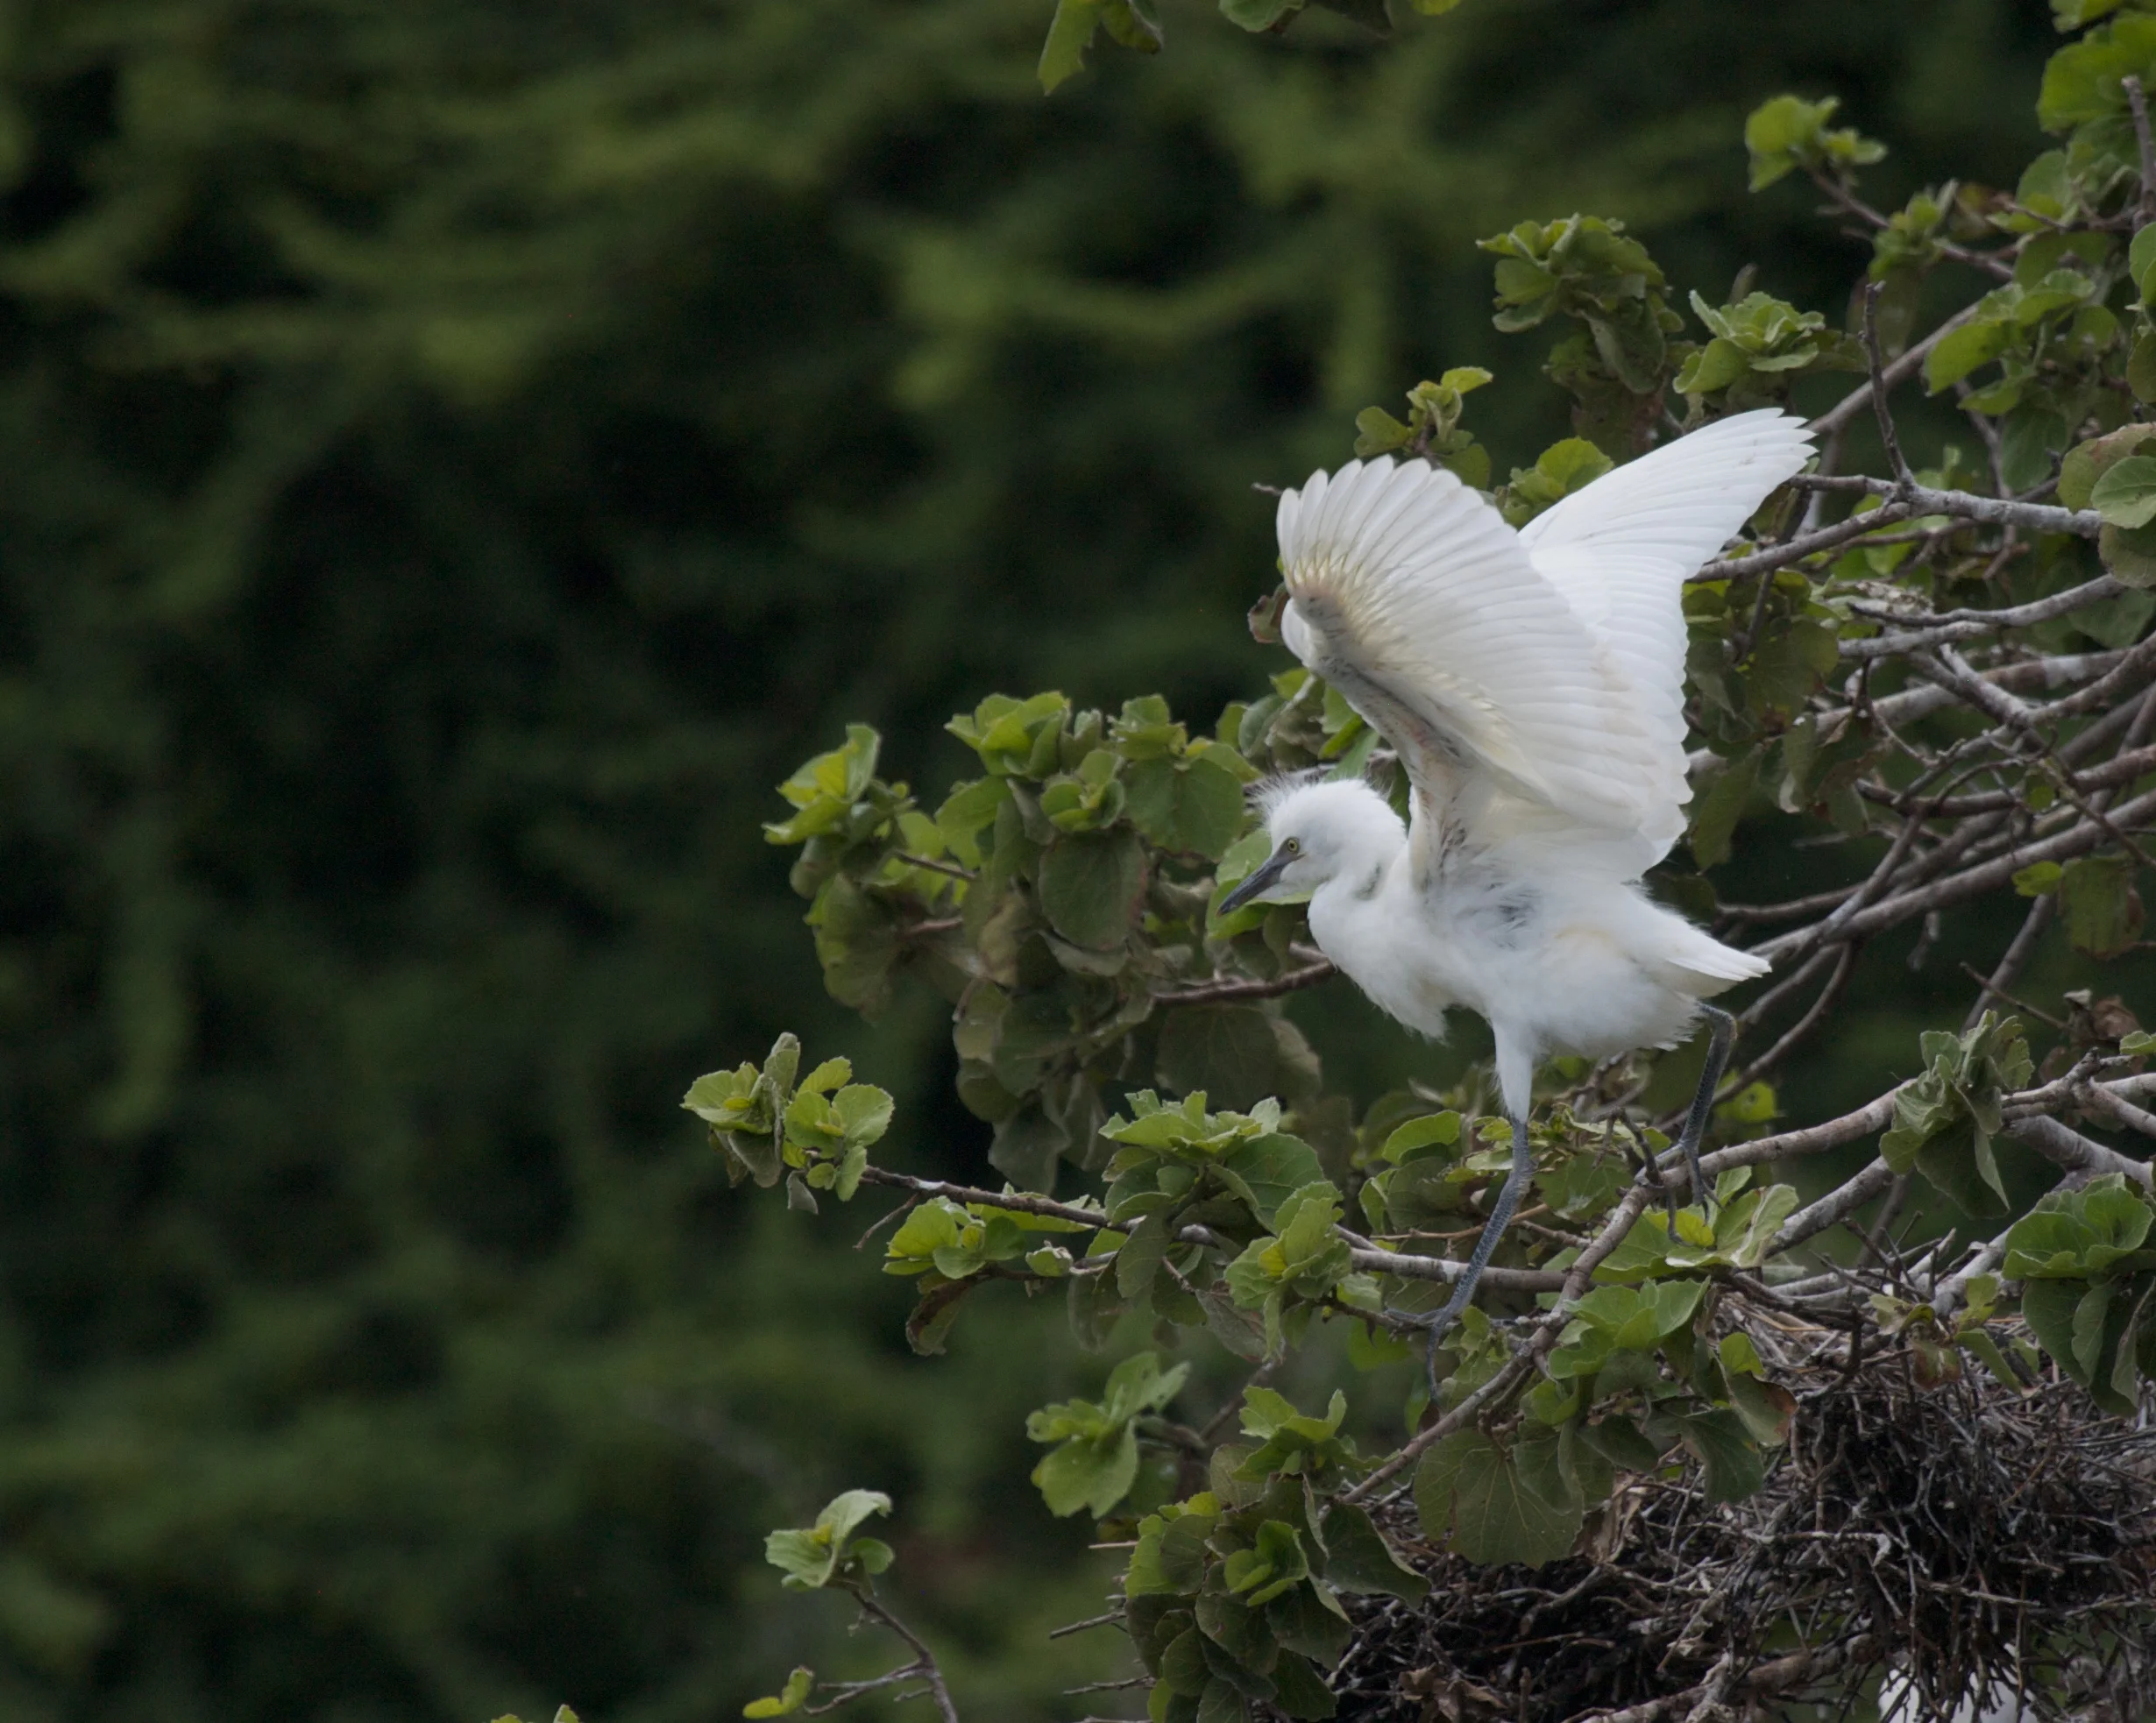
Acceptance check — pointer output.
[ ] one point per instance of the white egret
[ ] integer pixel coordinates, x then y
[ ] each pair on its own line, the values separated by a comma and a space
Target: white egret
1531, 682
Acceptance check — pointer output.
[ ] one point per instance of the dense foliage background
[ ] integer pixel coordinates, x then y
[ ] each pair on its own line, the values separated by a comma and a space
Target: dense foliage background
460, 455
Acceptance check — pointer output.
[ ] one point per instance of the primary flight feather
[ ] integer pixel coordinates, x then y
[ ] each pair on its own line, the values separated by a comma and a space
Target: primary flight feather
1532, 684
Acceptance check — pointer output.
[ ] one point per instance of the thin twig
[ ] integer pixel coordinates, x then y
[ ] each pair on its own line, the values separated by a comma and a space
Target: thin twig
1905, 481
1214, 993
2137, 103
1832, 422
925, 1660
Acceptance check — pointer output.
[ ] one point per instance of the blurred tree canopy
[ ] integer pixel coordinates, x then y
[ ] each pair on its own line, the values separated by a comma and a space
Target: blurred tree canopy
460, 456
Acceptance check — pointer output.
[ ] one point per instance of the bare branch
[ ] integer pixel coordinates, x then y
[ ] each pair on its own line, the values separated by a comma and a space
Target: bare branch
1017, 1202
2077, 840
1786, 1145
1842, 1201
1446, 1268
2121, 1110
925, 1660
1806, 544
1846, 199
1829, 426
1214, 993
1963, 505
1844, 960
2137, 102
2065, 1147
1905, 481
1946, 1295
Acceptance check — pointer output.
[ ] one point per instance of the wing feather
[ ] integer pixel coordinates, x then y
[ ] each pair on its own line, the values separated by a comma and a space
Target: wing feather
1412, 596
1621, 550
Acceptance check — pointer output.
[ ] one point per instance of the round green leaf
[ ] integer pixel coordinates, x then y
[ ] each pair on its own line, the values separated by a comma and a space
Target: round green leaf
2125, 496
1089, 885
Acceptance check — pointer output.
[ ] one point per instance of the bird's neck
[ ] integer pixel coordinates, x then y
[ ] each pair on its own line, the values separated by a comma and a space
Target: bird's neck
1367, 920
1360, 881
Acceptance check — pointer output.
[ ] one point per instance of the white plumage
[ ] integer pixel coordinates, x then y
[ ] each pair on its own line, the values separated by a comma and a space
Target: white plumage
1532, 684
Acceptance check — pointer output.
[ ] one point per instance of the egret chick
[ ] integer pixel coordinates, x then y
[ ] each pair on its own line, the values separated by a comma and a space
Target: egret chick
1532, 684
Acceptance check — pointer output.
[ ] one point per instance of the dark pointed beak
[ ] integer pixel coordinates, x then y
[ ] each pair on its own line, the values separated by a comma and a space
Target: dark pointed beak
1258, 883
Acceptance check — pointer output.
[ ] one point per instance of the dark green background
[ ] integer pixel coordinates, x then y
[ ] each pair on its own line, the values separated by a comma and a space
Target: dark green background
458, 454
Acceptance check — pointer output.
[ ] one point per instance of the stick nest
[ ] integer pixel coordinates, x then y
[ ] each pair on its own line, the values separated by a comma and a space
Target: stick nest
1964, 1539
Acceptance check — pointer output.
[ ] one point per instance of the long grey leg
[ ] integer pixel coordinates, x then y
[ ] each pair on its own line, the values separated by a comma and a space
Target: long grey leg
1723, 1028
1509, 1195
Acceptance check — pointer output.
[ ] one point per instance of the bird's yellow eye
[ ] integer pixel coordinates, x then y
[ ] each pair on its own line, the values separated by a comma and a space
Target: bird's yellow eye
1293, 846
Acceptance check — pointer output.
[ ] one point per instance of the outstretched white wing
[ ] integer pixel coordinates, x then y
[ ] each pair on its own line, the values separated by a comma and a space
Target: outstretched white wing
1412, 596
1621, 550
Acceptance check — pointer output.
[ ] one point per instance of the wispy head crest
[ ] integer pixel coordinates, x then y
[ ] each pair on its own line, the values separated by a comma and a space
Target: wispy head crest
1274, 788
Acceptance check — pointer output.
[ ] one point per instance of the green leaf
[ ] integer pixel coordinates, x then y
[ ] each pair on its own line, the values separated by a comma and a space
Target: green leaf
1193, 805
1132, 24
1621, 1443
932, 1226
2076, 1233
1615, 1319
2082, 81
2129, 553
1299, 1690
1720, 1442
1431, 1129
826, 789
1787, 132
1255, 15
1090, 883
1715, 814
2141, 366
1765, 1410
2125, 496
2102, 910
1378, 433
1961, 350
1096, 1461
1274, 1563
1472, 1496
2073, 15
968, 810
1359, 1559
856, 942
1290, 1441
1269, 1169
2086, 463
1138, 1261
2038, 879
789, 1699
1070, 33
811, 1556
1229, 1052
1094, 1474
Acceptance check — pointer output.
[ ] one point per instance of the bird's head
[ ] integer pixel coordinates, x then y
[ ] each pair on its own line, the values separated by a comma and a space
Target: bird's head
1319, 830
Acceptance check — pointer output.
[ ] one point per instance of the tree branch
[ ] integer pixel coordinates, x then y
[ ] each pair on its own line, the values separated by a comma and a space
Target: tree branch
1214, 993
1842, 1201
2137, 103
1905, 481
1961, 505
924, 1664
1374, 1260
1017, 1202
1907, 363
2077, 840
2068, 1148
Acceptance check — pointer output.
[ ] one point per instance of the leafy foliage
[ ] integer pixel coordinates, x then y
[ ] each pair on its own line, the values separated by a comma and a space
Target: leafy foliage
1095, 1461
1065, 902
827, 1553
463, 453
